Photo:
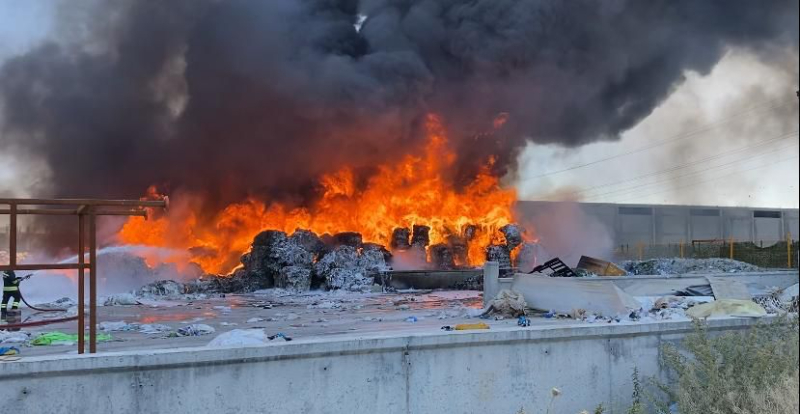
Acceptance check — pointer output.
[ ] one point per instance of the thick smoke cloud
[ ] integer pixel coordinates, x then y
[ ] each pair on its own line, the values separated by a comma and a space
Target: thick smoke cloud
234, 98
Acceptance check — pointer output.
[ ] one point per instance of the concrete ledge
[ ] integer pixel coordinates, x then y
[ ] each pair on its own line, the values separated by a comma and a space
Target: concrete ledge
667, 285
412, 374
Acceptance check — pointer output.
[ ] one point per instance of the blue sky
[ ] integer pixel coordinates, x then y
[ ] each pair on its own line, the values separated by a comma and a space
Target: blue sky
23, 23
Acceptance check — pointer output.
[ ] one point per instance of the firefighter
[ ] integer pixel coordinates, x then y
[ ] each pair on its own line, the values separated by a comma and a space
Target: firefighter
10, 292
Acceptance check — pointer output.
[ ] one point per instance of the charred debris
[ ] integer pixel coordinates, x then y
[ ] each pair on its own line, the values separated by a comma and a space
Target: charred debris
304, 260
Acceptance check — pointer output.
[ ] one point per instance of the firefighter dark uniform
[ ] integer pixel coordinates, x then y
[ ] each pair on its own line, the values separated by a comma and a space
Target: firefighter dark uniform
10, 292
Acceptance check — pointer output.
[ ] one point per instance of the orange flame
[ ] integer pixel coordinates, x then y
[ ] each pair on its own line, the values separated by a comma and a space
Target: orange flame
414, 192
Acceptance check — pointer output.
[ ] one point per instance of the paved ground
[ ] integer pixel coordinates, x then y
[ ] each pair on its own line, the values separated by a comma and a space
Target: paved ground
298, 316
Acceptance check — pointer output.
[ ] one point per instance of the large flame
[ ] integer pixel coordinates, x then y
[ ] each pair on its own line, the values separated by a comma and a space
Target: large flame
413, 192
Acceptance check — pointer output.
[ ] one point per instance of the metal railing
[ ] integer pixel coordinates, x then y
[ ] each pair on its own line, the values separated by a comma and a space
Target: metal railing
87, 212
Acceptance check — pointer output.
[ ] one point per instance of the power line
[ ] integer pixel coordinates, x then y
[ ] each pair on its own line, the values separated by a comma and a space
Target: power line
690, 134
687, 164
719, 178
633, 189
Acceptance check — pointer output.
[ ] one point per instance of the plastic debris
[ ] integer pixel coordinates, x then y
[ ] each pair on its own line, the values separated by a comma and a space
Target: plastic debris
600, 267
153, 329
60, 304
727, 307
412, 319
279, 335
197, 329
255, 320
508, 303
13, 337
471, 326
523, 322
122, 299
6, 351
60, 338
239, 337
117, 326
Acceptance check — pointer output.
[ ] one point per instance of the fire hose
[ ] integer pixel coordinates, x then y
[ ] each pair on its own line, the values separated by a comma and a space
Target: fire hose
38, 323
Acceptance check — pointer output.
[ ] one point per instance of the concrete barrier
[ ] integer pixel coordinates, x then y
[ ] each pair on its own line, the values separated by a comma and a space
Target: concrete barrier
498, 372
668, 285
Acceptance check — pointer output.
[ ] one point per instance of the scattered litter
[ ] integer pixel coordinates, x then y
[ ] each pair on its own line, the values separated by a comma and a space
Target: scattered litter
789, 293
697, 290
60, 338
325, 305
117, 326
600, 267
279, 335
240, 337
579, 314
507, 303
471, 326
789, 299
412, 319
448, 328
635, 315
154, 329
13, 337
60, 304
727, 307
255, 320
229, 324
7, 351
197, 329
673, 302
523, 322
779, 301
224, 309
557, 268
687, 266
122, 299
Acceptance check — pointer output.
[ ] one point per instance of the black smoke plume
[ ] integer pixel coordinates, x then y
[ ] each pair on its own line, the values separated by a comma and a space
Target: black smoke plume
242, 97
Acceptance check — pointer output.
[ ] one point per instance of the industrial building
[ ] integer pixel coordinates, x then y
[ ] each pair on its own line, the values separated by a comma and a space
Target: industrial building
630, 224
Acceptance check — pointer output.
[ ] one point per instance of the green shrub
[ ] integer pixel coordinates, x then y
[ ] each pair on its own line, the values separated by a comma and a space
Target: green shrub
733, 372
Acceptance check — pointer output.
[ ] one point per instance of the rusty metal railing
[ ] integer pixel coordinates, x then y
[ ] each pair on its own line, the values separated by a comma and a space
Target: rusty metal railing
87, 211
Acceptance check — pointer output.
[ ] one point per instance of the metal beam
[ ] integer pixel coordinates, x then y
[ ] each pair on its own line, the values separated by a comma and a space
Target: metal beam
33, 266
85, 202
92, 283
12, 236
81, 284
68, 212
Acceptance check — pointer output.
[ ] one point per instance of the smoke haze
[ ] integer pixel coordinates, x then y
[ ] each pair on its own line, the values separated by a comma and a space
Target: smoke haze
237, 98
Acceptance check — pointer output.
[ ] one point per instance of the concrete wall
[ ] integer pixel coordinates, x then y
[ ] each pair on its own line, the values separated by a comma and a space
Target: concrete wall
662, 224
756, 283
496, 372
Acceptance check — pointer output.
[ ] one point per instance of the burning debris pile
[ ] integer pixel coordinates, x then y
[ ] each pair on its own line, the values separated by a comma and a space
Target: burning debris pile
303, 260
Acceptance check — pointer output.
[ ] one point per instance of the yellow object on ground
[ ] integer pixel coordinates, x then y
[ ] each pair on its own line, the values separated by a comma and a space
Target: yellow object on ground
726, 307
471, 326
600, 267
